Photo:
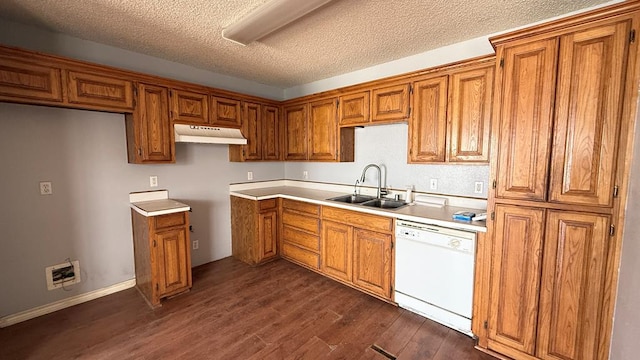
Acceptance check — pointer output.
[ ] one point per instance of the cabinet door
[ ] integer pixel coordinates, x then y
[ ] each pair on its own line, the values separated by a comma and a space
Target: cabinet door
190, 107
99, 90
427, 126
354, 109
270, 133
573, 285
372, 261
225, 112
515, 278
252, 130
336, 252
22, 80
154, 140
470, 101
390, 103
267, 235
524, 118
295, 132
173, 265
591, 79
323, 130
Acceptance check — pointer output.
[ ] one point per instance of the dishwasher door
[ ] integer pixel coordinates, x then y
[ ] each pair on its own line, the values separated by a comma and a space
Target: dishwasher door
434, 273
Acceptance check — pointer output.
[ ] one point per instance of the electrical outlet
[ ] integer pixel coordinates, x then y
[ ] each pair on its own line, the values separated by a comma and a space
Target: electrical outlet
433, 184
153, 181
249, 175
477, 187
45, 188
196, 244
305, 175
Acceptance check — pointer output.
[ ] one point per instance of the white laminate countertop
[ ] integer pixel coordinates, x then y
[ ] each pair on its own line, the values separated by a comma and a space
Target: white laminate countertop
154, 203
441, 216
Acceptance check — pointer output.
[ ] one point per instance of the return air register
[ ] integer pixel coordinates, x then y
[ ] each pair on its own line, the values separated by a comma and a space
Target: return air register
62, 275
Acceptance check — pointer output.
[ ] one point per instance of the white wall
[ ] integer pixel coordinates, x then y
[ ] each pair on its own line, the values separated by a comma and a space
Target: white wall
387, 145
83, 154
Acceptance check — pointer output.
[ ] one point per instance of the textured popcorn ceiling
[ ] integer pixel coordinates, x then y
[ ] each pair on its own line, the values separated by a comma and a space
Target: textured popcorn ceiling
340, 37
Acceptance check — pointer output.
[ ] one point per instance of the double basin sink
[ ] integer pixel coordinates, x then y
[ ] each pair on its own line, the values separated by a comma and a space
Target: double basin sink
370, 201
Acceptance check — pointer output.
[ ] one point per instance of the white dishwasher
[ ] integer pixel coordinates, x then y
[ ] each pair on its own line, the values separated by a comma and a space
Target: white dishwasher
434, 273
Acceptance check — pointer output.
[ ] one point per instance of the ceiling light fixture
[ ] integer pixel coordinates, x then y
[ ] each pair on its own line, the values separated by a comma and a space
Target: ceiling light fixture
268, 18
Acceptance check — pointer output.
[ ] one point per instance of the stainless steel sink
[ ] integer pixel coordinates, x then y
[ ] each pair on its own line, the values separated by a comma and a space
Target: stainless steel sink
385, 203
352, 199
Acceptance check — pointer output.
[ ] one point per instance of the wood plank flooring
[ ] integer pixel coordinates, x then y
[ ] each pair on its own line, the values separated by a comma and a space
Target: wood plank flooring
275, 311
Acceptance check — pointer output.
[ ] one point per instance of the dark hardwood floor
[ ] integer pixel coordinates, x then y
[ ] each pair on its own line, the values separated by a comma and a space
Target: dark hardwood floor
275, 311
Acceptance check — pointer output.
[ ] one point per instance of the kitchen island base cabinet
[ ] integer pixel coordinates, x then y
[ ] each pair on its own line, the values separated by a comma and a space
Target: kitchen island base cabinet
162, 255
254, 230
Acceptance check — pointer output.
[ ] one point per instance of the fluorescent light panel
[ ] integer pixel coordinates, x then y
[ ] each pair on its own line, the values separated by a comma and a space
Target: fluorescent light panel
268, 18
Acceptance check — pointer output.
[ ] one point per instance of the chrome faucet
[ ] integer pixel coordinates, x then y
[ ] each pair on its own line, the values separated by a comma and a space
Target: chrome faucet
381, 190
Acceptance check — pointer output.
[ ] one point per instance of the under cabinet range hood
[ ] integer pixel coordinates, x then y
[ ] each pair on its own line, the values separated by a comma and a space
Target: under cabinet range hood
208, 135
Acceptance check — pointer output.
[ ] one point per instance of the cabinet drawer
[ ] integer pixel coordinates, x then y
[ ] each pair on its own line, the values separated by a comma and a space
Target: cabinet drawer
300, 255
291, 235
169, 220
268, 204
301, 222
358, 219
301, 206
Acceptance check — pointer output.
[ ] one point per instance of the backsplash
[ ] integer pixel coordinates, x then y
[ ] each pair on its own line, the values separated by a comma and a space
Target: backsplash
387, 145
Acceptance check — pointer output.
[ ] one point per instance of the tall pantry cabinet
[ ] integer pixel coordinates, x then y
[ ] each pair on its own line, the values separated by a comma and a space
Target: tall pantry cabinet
564, 105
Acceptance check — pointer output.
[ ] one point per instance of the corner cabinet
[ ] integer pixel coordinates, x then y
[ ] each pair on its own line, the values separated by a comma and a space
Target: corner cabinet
149, 131
254, 230
162, 255
563, 94
357, 250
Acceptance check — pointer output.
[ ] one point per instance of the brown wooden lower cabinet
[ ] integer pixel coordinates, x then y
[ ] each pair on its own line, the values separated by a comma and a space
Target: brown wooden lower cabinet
254, 229
300, 240
548, 283
357, 249
162, 255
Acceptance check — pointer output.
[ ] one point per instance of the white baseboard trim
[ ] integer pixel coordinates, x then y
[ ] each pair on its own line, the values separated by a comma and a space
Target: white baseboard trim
65, 303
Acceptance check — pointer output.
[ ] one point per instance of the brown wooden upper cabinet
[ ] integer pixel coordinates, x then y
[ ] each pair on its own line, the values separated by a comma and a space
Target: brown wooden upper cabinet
311, 133
390, 103
260, 126
189, 107
353, 109
149, 131
562, 100
295, 131
27, 82
323, 130
99, 90
451, 121
428, 125
225, 112
469, 114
